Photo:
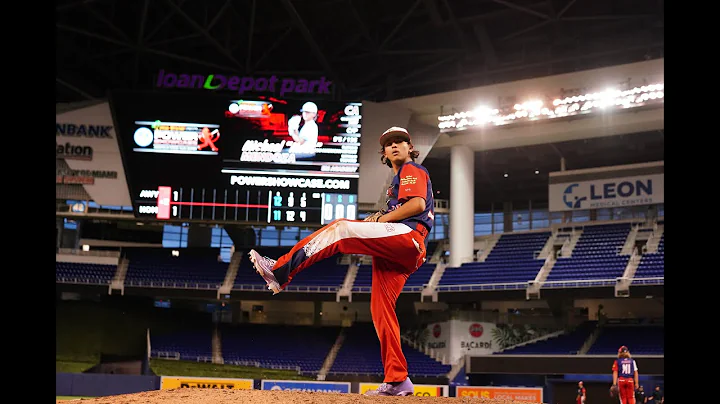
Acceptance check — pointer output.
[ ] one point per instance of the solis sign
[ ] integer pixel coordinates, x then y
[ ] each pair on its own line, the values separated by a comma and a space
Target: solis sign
243, 84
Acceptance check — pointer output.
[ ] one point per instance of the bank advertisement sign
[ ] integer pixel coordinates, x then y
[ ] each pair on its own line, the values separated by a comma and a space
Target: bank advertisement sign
607, 193
315, 387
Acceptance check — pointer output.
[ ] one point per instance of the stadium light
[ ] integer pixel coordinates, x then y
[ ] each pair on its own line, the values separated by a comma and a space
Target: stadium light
535, 109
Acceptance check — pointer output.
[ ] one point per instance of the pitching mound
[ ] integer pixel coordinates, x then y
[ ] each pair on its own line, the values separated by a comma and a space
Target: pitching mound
188, 396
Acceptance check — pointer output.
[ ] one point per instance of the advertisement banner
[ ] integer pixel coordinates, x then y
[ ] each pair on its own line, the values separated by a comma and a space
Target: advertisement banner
454, 339
321, 387
87, 157
422, 390
530, 394
607, 193
179, 382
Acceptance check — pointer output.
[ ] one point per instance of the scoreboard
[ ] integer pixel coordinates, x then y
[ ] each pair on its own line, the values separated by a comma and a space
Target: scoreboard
208, 157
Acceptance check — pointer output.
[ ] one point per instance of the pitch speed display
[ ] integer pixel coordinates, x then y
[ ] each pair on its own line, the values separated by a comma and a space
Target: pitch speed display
258, 160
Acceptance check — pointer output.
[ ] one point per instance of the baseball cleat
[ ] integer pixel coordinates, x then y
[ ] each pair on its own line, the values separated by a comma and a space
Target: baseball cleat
263, 266
405, 388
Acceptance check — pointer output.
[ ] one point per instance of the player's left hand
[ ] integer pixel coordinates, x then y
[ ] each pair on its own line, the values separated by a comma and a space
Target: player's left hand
375, 216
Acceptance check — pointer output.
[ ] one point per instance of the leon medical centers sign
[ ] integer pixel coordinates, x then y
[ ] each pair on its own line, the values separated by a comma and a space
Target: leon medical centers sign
607, 187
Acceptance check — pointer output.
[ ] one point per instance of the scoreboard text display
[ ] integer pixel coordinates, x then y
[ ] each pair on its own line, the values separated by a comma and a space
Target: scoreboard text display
216, 158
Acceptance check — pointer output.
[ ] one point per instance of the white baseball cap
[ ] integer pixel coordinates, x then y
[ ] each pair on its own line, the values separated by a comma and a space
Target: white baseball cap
395, 131
309, 107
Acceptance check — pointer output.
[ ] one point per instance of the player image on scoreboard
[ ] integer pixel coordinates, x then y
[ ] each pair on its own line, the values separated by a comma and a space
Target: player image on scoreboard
304, 131
338, 206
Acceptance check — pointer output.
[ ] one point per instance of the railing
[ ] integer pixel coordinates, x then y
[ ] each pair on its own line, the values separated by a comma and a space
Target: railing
256, 364
368, 289
80, 281
167, 355
578, 283
290, 288
91, 253
648, 281
482, 286
172, 285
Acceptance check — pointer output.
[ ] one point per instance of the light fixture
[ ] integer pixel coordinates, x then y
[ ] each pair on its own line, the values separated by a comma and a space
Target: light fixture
537, 172
505, 175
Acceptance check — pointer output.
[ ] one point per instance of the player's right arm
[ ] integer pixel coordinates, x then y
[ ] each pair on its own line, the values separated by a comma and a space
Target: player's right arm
615, 373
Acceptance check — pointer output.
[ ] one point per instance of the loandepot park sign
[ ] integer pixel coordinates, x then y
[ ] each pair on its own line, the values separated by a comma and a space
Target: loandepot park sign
243, 84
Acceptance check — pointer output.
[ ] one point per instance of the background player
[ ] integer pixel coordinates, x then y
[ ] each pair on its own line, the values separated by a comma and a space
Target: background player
581, 394
625, 376
396, 239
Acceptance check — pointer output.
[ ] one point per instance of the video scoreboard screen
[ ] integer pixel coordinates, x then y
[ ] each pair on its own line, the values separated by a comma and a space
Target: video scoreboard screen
217, 158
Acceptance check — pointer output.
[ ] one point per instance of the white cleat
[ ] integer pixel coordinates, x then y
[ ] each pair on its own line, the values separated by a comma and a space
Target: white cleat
263, 266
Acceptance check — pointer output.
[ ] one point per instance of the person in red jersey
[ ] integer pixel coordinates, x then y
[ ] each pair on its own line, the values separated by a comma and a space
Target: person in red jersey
395, 238
625, 376
581, 394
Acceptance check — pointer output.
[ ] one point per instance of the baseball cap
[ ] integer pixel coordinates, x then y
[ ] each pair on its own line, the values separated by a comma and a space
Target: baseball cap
395, 131
623, 349
309, 107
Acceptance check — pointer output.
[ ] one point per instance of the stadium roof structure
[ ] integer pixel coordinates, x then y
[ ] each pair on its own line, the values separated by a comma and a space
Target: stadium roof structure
379, 51
373, 50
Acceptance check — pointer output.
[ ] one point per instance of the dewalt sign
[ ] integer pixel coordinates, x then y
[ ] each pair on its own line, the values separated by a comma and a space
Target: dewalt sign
173, 382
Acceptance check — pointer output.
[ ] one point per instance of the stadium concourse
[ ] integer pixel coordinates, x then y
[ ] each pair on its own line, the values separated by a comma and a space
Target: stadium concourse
195, 132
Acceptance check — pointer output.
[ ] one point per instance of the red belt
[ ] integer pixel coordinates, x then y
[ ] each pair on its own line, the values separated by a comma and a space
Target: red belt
420, 228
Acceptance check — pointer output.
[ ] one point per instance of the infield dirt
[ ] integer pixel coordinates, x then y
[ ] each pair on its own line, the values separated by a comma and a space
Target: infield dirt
192, 396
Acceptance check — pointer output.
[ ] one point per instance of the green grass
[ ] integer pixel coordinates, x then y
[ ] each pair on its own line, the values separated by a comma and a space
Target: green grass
70, 398
65, 366
164, 367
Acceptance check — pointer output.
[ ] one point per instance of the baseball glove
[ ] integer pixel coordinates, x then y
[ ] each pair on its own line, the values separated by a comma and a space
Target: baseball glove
375, 216
614, 391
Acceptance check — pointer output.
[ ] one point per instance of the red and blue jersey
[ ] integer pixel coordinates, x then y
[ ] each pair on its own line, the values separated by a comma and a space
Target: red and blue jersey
412, 180
626, 367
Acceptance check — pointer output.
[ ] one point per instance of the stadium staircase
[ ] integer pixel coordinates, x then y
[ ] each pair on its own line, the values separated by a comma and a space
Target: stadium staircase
231, 274
654, 240
533, 289
638, 232
534, 340
330, 358
489, 245
570, 243
438, 253
118, 281
590, 340
217, 356
346, 289
430, 289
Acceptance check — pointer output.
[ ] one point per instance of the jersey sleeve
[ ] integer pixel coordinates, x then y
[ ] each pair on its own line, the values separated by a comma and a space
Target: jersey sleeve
413, 183
614, 367
635, 366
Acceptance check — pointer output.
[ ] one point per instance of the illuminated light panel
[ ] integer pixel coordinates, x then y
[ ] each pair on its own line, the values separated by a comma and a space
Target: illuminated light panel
535, 109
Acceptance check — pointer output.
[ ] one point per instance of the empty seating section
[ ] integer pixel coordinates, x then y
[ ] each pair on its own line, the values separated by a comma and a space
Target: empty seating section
278, 346
324, 273
360, 354
510, 261
640, 339
595, 255
420, 277
652, 265
564, 344
194, 268
363, 279
190, 344
84, 273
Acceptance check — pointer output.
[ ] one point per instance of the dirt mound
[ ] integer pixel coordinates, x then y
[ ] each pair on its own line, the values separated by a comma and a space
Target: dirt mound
192, 396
